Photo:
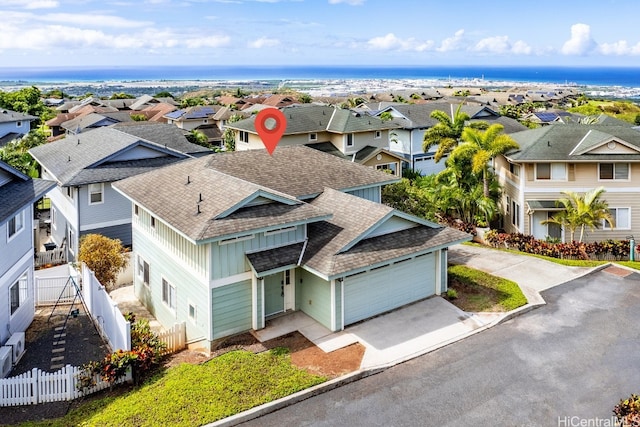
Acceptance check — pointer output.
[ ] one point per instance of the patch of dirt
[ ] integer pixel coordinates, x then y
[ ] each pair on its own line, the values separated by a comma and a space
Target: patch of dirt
304, 354
473, 298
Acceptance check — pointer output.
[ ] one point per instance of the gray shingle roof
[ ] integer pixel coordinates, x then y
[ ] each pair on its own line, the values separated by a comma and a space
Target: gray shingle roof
196, 200
273, 259
19, 192
162, 134
298, 170
67, 158
567, 142
353, 216
7, 116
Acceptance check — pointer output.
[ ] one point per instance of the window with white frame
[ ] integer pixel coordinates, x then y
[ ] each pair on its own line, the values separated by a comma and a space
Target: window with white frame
514, 169
244, 136
193, 312
613, 171
18, 293
143, 270
96, 193
515, 214
621, 219
377, 134
388, 167
551, 171
168, 294
313, 136
70, 192
72, 241
350, 140
15, 225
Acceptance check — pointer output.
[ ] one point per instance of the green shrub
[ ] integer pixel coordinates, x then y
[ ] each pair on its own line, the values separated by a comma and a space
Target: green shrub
452, 294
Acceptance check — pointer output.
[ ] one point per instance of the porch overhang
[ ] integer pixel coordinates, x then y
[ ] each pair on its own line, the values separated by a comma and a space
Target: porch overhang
272, 261
542, 205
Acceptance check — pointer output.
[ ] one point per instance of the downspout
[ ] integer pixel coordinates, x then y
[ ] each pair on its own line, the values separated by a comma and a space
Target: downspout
304, 248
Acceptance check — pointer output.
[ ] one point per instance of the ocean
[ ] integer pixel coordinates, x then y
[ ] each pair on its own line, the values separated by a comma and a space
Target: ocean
625, 77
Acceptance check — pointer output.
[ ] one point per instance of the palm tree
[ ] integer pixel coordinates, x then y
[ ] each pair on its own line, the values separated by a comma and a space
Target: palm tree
447, 132
481, 147
581, 211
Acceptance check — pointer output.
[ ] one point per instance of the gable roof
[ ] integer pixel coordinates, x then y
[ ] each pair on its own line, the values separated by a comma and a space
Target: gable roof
307, 118
19, 191
298, 170
204, 204
8, 116
341, 245
361, 156
575, 142
71, 160
162, 134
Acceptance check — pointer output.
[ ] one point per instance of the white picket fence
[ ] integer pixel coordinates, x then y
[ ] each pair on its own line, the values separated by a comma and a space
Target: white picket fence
175, 338
38, 386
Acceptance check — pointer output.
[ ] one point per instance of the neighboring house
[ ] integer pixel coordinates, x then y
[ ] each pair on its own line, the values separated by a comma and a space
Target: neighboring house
571, 157
85, 165
18, 193
353, 135
415, 120
192, 117
14, 125
94, 120
227, 241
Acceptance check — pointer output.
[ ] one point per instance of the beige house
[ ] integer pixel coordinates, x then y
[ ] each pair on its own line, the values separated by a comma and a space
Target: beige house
571, 157
351, 135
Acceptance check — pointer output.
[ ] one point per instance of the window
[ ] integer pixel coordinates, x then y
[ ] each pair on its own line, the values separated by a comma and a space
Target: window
613, 171
621, 219
143, 270
70, 192
193, 312
19, 124
377, 134
515, 214
168, 294
135, 210
72, 243
514, 169
96, 193
15, 225
18, 293
244, 136
551, 171
350, 139
236, 239
508, 207
388, 167
313, 137
153, 222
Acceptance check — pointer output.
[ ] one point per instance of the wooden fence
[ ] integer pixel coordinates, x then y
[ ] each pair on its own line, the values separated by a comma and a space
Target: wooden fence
38, 386
175, 338
51, 258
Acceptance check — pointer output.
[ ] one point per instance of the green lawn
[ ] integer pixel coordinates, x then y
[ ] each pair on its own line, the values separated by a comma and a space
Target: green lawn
479, 291
192, 395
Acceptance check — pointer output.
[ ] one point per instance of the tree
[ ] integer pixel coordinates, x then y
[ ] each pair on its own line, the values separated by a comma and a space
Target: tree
483, 146
28, 101
104, 256
196, 136
386, 116
581, 211
16, 153
447, 132
305, 98
163, 94
229, 136
122, 95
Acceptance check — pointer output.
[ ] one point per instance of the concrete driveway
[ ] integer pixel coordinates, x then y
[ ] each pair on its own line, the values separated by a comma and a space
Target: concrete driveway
566, 363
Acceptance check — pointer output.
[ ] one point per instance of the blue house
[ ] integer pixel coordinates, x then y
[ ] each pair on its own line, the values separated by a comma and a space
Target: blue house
227, 241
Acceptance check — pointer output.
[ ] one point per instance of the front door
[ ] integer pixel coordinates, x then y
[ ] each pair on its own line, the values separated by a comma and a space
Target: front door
278, 293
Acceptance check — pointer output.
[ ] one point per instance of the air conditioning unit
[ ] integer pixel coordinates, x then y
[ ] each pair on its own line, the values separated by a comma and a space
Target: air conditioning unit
17, 343
6, 361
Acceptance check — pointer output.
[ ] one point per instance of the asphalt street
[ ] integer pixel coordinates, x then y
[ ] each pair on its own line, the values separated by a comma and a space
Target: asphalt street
562, 364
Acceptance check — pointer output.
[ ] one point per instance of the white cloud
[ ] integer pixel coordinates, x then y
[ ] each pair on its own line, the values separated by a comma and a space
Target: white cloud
580, 42
501, 45
391, 42
349, 2
453, 43
92, 20
263, 42
32, 4
207, 42
619, 48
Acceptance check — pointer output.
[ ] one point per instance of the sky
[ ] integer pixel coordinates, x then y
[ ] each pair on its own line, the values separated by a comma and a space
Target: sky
45, 33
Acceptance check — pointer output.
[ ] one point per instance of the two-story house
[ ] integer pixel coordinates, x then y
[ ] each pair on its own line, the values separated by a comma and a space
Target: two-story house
14, 125
344, 133
85, 165
571, 157
18, 193
219, 250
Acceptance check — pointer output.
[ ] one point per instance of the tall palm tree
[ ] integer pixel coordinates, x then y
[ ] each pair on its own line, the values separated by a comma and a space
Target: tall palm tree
581, 211
481, 147
447, 132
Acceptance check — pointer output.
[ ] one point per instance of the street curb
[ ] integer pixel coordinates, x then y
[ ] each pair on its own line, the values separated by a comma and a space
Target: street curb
283, 402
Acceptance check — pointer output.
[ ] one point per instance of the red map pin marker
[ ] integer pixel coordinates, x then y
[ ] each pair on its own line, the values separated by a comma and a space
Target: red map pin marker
270, 124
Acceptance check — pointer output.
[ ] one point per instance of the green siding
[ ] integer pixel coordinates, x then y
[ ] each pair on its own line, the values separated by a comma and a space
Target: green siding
229, 259
259, 312
443, 271
313, 297
231, 309
189, 289
338, 313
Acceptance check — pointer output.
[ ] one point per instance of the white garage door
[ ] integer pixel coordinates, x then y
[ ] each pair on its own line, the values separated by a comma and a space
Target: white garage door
386, 288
